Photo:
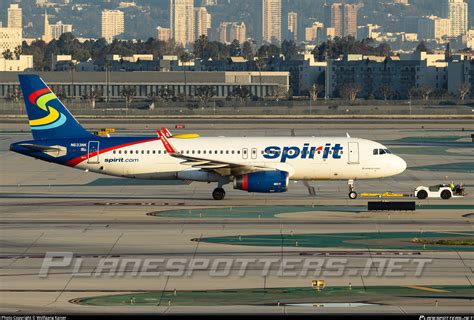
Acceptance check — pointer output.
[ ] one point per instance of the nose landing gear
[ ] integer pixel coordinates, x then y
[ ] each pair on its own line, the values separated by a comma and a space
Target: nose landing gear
352, 192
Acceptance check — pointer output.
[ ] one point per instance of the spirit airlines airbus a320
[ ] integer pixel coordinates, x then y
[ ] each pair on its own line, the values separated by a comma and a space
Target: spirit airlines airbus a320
263, 164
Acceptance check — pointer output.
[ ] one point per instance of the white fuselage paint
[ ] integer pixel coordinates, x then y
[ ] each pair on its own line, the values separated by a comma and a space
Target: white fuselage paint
148, 160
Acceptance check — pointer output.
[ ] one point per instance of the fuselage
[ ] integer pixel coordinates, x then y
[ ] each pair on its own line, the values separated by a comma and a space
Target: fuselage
304, 158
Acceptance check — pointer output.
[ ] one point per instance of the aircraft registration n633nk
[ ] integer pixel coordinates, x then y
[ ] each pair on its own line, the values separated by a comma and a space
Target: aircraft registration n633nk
259, 164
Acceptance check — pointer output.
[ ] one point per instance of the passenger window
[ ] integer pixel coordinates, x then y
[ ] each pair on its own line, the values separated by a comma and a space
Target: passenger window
154, 151
143, 151
227, 152
193, 151
125, 152
222, 152
120, 151
114, 151
199, 151
376, 152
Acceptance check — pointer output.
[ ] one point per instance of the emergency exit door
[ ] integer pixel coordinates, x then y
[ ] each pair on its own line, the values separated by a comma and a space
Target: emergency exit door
353, 152
93, 152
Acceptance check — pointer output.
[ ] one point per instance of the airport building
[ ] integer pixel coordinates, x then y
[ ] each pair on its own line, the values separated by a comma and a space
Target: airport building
146, 83
402, 74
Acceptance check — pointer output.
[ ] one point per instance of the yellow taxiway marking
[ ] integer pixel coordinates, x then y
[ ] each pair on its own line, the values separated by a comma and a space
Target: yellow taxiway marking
426, 289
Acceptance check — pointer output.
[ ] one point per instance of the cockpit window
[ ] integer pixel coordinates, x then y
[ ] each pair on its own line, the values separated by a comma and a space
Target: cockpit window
381, 151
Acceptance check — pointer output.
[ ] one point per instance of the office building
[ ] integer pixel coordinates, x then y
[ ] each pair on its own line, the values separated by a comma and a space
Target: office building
14, 16
163, 34
434, 28
59, 28
271, 21
344, 19
293, 26
112, 24
203, 22
457, 13
314, 33
182, 21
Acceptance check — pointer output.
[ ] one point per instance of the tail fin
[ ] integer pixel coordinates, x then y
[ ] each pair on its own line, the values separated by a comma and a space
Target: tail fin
48, 117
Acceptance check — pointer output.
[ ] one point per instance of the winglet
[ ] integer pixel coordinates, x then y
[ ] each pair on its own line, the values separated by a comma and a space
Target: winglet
166, 132
168, 147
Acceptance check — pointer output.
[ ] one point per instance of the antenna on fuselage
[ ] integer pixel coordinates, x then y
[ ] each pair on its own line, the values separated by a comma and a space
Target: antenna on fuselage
348, 135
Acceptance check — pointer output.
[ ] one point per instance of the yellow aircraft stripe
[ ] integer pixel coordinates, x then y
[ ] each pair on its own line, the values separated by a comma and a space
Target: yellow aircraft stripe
427, 289
50, 118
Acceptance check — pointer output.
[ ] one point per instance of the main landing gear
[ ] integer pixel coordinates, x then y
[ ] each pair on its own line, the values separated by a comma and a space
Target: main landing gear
352, 192
219, 192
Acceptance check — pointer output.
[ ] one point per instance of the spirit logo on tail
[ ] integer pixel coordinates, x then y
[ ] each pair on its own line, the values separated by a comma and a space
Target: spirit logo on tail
42, 99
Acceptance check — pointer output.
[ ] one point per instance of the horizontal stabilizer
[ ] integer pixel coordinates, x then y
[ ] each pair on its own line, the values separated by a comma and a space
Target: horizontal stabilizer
54, 151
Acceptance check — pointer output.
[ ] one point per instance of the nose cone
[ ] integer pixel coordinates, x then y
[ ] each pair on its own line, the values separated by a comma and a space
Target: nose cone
400, 165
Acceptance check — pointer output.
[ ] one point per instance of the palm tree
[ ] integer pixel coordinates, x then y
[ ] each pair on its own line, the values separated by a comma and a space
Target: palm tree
260, 64
185, 58
72, 68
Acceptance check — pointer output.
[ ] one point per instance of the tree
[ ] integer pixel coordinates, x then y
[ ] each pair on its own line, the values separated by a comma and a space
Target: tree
166, 94
422, 47
200, 46
241, 92
18, 52
425, 92
279, 92
385, 91
185, 58
288, 49
314, 91
260, 64
128, 93
15, 95
412, 92
204, 94
7, 54
463, 90
234, 48
91, 96
350, 91
247, 51
72, 69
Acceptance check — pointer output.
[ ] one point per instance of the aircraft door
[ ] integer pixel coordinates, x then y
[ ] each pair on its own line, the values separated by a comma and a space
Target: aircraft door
93, 152
353, 152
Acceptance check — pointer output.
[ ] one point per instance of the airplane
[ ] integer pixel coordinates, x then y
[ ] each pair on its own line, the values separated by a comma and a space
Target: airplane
252, 164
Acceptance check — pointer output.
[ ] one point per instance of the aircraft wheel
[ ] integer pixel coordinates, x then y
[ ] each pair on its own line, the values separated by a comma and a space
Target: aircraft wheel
353, 195
218, 194
422, 195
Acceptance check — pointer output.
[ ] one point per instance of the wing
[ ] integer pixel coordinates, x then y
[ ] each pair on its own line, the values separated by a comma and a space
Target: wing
223, 168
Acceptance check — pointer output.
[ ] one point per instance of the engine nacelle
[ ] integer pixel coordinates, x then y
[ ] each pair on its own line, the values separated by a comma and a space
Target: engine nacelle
263, 182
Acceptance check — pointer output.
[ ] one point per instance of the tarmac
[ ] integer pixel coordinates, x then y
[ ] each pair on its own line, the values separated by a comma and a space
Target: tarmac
47, 208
